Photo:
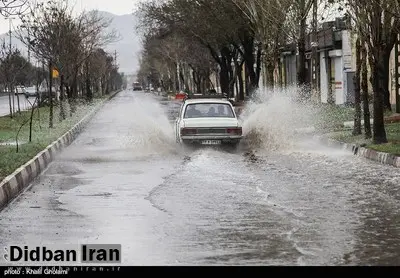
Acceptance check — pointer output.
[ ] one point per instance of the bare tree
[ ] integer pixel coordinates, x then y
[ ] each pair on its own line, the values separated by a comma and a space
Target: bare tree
92, 29
266, 18
375, 23
219, 26
12, 69
65, 43
13, 7
43, 32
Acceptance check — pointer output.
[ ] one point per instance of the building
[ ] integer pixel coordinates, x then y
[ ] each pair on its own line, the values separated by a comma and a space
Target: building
393, 89
336, 63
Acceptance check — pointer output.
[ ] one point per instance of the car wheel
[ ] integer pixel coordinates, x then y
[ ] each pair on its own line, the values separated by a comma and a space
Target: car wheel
234, 146
186, 144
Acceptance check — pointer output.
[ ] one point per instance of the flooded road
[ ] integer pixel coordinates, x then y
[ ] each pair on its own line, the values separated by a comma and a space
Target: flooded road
125, 181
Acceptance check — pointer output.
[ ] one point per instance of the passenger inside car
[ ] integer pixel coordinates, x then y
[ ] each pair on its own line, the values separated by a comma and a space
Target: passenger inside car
211, 112
192, 112
221, 111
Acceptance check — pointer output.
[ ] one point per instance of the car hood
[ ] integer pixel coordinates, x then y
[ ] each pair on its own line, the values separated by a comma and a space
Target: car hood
210, 122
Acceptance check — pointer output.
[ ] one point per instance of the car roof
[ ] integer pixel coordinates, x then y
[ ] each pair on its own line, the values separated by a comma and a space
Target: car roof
207, 100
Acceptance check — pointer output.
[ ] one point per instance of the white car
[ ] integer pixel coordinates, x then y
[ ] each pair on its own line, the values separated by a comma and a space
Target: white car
207, 122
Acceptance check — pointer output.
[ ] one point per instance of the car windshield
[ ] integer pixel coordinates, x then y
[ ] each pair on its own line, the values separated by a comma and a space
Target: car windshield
204, 110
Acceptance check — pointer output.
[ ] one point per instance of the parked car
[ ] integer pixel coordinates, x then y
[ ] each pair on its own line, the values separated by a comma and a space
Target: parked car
208, 121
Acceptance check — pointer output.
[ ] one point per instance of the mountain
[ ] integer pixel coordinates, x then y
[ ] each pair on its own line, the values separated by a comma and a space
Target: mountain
128, 46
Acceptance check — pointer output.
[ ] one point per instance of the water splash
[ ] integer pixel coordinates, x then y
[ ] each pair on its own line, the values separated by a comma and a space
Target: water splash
273, 119
150, 130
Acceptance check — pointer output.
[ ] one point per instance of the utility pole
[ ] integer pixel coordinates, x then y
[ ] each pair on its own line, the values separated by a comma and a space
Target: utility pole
9, 27
314, 58
29, 47
9, 57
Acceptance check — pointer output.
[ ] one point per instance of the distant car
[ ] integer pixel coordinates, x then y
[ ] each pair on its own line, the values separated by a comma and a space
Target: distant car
31, 92
208, 121
137, 86
19, 90
181, 95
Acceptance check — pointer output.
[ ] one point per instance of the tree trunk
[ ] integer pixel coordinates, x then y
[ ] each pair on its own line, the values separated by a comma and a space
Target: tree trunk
232, 79
102, 85
18, 103
270, 75
13, 96
74, 94
197, 82
246, 82
89, 93
69, 97
301, 45
241, 84
51, 116
249, 64
365, 95
258, 66
227, 86
224, 76
62, 108
357, 95
379, 132
10, 101
280, 77
31, 122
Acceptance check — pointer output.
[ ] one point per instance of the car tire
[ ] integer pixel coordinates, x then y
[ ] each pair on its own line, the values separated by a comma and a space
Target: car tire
234, 146
186, 144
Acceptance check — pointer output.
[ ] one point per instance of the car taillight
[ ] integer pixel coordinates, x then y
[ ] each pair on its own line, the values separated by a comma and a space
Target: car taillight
188, 131
236, 131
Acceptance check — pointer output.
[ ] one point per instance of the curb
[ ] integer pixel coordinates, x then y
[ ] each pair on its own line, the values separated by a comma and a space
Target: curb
381, 157
20, 180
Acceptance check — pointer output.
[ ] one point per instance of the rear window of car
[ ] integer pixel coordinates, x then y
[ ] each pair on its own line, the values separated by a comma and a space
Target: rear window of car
204, 110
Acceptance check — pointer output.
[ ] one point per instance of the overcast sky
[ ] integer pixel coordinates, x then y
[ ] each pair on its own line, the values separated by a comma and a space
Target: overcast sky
123, 7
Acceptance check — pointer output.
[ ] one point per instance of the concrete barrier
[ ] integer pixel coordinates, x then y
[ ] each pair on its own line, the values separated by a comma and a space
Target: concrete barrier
19, 181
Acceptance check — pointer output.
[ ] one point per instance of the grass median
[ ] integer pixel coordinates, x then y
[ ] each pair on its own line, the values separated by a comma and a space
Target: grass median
42, 135
332, 117
392, 133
